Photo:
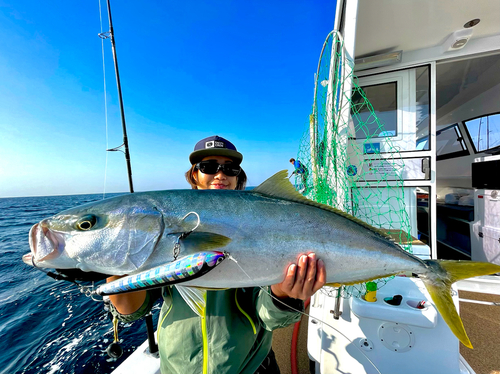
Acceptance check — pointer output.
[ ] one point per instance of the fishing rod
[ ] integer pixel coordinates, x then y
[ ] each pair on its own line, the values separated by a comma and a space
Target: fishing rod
114, 350
110, 34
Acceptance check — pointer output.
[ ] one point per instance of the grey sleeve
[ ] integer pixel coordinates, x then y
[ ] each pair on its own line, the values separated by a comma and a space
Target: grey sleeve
275, 314
144, 309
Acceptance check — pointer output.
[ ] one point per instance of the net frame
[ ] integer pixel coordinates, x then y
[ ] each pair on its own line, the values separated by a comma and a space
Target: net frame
337, 170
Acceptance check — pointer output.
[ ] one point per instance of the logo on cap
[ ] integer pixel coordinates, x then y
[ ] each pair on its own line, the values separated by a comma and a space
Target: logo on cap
214, 144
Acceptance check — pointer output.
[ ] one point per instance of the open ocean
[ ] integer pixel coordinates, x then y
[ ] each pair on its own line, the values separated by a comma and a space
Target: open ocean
48, 326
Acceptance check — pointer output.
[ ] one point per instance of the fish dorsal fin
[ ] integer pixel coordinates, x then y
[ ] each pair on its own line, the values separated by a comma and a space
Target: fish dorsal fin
279, 186
194, 297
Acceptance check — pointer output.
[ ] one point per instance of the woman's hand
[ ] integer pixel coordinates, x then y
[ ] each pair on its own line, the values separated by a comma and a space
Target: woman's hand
303, 279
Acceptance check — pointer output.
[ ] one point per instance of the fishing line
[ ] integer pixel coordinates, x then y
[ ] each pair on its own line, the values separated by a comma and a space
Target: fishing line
305, 314
88, 291
101, 35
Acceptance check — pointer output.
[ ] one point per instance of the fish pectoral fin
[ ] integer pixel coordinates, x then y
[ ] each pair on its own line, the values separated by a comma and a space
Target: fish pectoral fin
205, 241
195, 298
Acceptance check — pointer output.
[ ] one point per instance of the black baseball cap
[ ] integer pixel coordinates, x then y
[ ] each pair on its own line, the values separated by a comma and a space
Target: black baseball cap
214, 146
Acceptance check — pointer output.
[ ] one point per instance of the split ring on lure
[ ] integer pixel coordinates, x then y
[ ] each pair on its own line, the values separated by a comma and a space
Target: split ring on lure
181, 270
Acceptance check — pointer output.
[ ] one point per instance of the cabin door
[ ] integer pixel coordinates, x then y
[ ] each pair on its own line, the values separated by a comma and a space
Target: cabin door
402, 101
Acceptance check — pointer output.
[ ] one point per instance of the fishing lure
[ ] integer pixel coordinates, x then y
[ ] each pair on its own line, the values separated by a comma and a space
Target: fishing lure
181, 270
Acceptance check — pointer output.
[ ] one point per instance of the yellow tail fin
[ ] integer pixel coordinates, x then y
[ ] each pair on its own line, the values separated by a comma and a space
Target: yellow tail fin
438, 282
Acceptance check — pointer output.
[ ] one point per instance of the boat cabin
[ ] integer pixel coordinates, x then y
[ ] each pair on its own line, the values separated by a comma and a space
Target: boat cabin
431, 72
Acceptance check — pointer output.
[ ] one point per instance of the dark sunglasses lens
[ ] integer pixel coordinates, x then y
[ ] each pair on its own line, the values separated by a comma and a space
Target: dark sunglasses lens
208, 168
230, 170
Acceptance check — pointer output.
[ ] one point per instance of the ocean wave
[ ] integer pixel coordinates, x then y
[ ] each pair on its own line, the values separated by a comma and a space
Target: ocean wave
47, 325
16, 224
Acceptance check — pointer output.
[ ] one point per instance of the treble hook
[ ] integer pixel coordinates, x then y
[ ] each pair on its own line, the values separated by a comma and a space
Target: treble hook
184, 235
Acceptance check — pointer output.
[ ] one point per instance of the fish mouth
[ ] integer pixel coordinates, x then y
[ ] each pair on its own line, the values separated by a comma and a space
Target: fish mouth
44, 243
28, 259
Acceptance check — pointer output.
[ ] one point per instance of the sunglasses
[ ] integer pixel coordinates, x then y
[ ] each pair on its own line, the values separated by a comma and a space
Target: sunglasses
211, 168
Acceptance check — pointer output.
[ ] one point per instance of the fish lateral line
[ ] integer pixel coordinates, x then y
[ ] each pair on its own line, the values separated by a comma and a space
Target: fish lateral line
182, 270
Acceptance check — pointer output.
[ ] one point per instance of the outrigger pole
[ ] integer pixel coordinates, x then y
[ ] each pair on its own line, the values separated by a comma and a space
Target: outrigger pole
110, 34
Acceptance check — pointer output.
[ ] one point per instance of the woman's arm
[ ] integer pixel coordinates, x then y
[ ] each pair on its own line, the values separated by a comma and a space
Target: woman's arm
127, 303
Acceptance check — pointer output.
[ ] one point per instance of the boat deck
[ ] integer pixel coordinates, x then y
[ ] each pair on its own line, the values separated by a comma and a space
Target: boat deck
282, 342
482, 323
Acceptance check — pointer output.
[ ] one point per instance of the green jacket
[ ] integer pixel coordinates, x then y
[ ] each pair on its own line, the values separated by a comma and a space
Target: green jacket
233, 336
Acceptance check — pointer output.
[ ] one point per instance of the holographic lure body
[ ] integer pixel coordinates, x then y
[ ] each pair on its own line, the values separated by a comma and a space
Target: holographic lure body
184, 269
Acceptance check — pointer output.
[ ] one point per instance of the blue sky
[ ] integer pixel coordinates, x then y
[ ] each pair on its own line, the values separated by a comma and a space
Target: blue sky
243, 70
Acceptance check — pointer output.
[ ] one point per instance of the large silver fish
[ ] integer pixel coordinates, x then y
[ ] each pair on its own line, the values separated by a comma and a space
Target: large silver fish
264, 230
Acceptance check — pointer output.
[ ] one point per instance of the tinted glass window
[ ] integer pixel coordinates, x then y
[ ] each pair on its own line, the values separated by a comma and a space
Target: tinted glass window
383, 98
449, 141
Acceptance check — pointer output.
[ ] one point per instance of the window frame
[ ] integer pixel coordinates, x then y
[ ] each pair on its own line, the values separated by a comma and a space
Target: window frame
463, 152
464, 123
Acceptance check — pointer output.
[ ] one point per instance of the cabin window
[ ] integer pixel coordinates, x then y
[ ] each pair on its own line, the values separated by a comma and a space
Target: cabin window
383, 98
468, 92
484, 132
397, 112
450, 143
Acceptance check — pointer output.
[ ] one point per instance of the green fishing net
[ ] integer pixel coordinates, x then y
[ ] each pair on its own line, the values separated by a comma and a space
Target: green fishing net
347, 162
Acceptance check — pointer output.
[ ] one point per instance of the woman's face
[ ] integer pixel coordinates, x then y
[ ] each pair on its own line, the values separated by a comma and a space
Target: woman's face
218, 181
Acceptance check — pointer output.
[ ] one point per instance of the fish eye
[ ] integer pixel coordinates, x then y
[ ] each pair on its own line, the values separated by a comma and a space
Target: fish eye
86, 222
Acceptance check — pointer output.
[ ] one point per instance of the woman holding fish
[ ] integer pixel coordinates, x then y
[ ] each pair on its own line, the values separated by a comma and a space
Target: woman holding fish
223, 331
220, 238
